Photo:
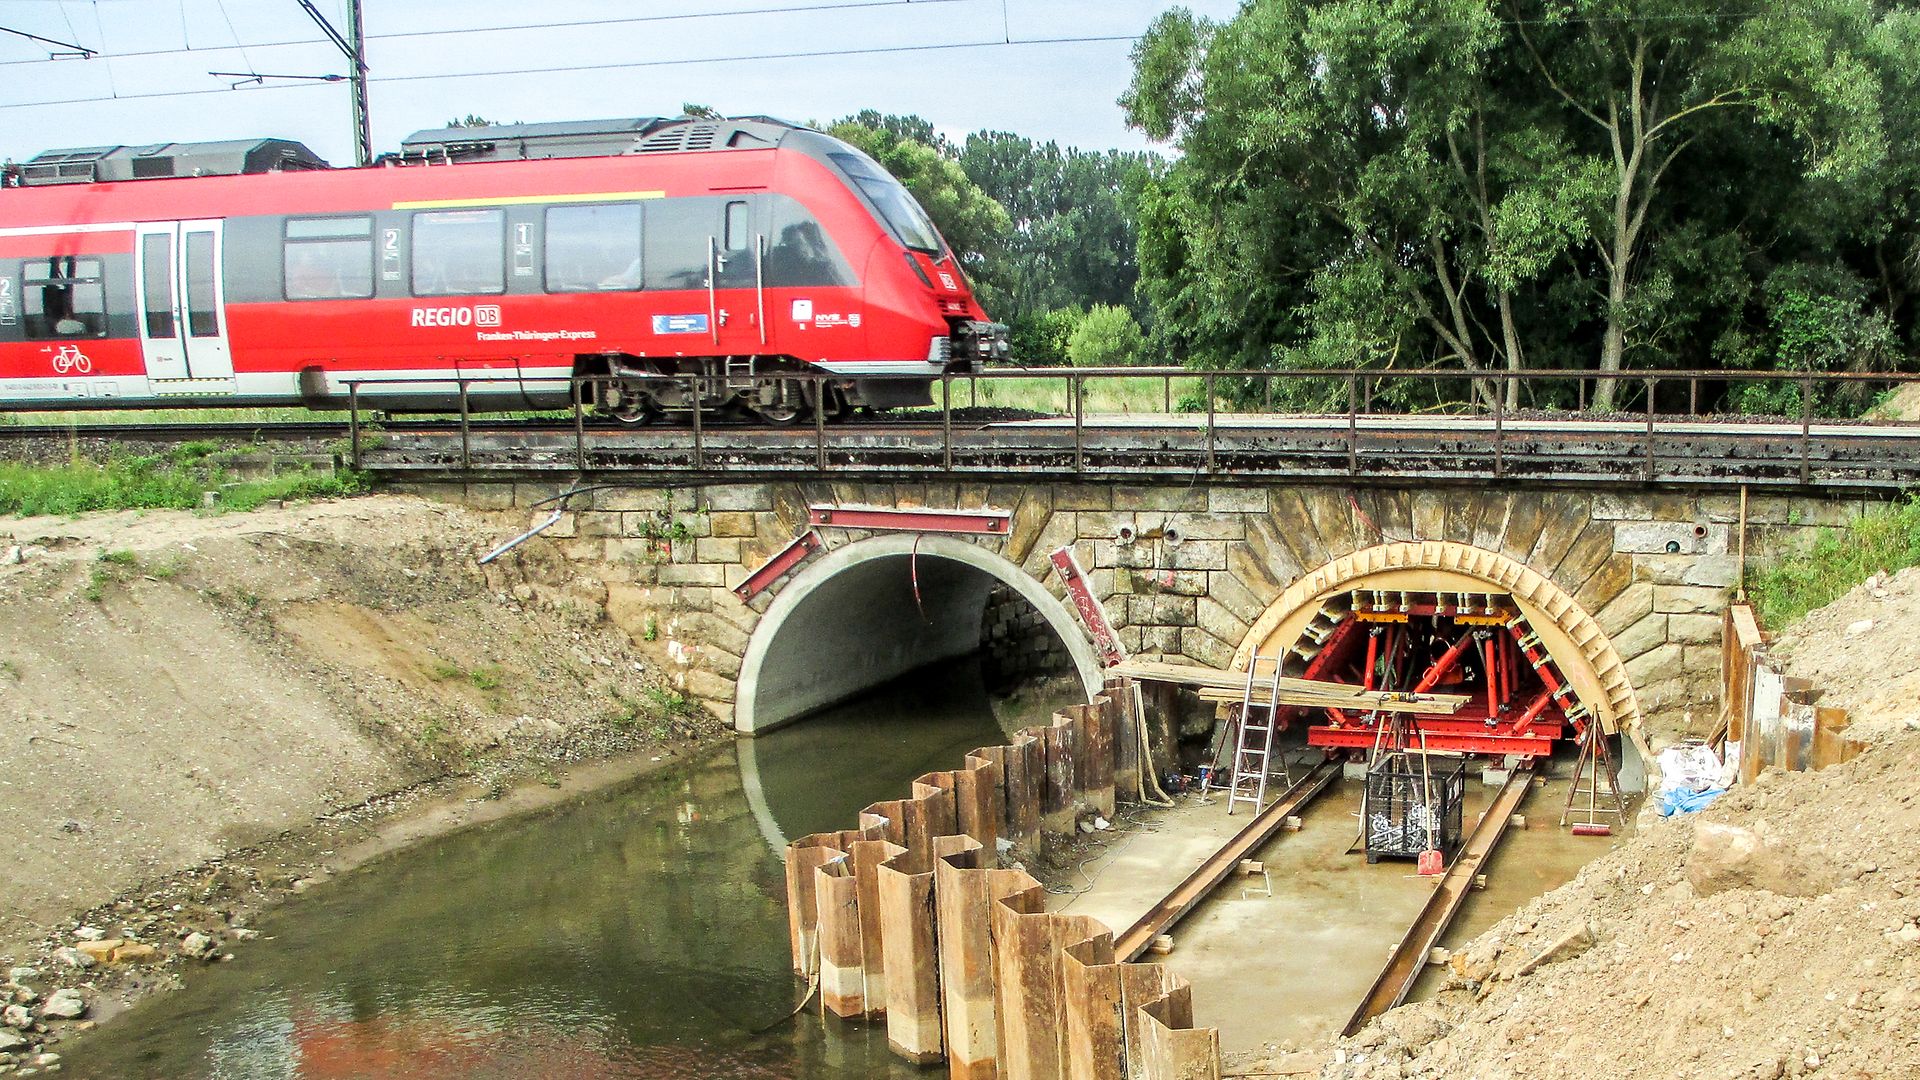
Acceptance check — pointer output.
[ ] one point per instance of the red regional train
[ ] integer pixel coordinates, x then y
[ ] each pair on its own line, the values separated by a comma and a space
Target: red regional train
680, 263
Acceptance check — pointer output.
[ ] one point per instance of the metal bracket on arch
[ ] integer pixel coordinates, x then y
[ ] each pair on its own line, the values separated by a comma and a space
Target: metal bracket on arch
983, 522
782, 561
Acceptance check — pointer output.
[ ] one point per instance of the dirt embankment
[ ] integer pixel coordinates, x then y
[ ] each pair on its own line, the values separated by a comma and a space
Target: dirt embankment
209, 711
1775, 934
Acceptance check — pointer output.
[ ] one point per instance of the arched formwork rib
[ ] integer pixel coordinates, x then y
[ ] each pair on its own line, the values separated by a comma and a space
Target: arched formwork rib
1570, 635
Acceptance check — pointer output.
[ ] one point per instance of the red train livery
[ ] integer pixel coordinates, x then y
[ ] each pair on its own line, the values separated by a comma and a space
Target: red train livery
640, 252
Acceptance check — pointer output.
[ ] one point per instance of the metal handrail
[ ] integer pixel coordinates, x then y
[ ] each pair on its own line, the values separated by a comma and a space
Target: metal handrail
1360, 384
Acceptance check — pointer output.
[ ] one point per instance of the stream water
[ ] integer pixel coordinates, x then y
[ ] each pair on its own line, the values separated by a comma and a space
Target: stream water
641, 932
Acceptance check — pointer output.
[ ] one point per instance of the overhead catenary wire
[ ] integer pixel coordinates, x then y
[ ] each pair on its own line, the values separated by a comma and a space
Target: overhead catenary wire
505, 28
569, 68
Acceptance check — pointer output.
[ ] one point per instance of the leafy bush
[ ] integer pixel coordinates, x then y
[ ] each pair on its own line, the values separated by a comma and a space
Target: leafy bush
1886, 538
1106, 336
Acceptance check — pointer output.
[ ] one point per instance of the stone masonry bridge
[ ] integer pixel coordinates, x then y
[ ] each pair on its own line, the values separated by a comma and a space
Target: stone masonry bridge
1626, 588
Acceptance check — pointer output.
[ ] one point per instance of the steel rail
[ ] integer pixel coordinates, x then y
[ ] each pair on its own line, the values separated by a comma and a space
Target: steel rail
1409, 956
1219, 866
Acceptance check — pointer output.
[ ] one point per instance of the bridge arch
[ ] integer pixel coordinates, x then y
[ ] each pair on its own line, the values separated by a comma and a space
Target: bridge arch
875, 609
1576, 642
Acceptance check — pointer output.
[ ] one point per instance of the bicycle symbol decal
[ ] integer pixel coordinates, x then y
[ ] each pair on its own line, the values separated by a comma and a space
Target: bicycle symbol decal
70, 360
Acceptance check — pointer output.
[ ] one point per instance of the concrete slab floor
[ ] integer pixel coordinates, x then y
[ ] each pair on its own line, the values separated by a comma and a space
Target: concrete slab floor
1292, 966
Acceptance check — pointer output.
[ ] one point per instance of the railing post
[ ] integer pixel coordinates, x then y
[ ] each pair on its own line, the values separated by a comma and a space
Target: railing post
1500, 428
466, 430
1693, 395
1209, 385
699, 438
821, 390
1806, 428
353, 423
1651, 386
946, 422
1353, 424
579, 393
1076, 385
1166, 394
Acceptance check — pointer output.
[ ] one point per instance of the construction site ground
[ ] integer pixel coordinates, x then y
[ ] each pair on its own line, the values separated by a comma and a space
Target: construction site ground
1776, 933
1287, 968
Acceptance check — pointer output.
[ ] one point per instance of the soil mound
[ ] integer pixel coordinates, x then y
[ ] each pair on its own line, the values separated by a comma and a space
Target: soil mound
176, 686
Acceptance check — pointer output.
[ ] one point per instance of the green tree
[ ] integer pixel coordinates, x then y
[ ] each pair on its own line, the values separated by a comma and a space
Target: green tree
1487, 183
1651, 78
1106, 336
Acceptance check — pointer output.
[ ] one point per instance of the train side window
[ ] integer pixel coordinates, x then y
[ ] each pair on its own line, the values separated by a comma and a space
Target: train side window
328, 258
63, 296
203, 316
799, 251
593, 248
156, 278
677, 236
739, 227
459, 252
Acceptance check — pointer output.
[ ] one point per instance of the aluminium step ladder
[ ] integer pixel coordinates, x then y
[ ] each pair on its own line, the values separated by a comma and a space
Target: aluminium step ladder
1603, 808
1253, 743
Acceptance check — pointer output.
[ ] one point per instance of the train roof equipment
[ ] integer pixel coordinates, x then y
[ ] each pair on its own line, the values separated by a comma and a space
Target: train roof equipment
589, 138
232, 157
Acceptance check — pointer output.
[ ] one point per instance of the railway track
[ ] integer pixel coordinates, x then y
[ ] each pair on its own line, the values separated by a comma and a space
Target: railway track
1140, 448
1409, 956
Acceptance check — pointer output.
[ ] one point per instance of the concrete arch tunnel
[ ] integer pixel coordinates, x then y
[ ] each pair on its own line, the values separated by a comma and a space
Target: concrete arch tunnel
873, 610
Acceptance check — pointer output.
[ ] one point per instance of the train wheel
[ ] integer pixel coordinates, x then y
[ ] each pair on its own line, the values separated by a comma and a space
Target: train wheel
785, 414
635, 410
792, 407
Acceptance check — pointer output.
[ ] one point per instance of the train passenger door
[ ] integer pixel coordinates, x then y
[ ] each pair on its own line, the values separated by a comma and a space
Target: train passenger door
736, 279
183, 321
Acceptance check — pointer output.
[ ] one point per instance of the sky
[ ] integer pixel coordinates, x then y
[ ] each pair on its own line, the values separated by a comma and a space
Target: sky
432, 61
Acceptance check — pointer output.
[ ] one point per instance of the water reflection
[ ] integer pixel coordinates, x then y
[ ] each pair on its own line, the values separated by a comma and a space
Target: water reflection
641, 933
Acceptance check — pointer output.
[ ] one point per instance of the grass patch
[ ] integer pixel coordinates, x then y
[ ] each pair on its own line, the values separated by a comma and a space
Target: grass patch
120, 557
174, 482
1047, 393
483, 678
168, 568
1885, 538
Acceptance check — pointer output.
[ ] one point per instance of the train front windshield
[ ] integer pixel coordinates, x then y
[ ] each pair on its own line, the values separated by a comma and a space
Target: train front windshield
897, 208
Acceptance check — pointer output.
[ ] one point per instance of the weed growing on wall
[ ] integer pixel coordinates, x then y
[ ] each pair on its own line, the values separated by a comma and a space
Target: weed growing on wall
1885, 538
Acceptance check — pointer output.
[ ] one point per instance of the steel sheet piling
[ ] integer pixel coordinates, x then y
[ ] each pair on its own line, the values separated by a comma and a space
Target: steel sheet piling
842, 962
1058, 806
911, 917
910, 959
1025, 970
1095, 1021
1126, 739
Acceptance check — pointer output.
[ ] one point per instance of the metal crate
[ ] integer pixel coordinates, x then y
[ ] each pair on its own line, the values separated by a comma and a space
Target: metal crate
1406, 807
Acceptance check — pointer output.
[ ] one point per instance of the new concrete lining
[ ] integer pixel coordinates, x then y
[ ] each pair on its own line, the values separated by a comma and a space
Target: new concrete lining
853, 619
